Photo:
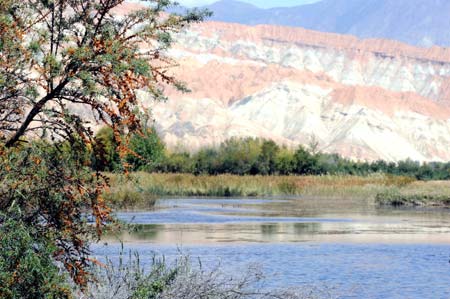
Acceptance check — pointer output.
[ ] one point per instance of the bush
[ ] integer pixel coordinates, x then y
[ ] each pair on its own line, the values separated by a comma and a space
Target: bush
239, 156
105, 156
27, 268
305, 162
285, 162
57, 196
147, 151
178, 163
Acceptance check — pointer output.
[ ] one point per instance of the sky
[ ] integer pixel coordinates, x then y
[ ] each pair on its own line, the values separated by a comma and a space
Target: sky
259, 3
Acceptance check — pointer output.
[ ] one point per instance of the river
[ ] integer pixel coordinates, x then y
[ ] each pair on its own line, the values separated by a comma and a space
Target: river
352, 247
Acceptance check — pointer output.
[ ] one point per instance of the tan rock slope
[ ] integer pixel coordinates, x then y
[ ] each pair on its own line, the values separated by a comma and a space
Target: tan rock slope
365, 99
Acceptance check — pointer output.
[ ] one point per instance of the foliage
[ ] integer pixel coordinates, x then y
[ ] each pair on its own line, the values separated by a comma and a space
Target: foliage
254, 156
206, 161
105, 156
266, 163
284, 162
181, 162
239, 156
63, 53
27, 269
305, 162
147, 150
63, 64
57, 196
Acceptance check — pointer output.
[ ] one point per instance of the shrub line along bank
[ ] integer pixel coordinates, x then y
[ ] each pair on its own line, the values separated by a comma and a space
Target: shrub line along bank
248, 156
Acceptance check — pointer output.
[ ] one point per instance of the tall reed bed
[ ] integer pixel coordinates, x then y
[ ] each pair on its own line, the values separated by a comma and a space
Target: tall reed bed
126, 192
142, 188
420, 193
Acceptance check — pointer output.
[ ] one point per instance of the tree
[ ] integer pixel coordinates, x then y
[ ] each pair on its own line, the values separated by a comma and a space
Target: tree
64, 63
305, 162
56, 197
206, 161
239, 156
266, 163
75, 52
179, 162
105, 156
285, 162
147, 150
407, 167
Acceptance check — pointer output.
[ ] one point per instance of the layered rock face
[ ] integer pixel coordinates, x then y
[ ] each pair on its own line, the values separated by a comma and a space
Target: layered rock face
364, 99
417, 22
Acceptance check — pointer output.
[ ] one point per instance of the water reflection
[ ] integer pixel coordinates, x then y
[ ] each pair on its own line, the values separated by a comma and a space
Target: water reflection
375, 252
209, 221
306, 228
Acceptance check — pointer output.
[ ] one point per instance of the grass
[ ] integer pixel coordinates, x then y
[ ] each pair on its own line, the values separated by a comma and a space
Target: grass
140, 189
128, 276
126, 193
434, 193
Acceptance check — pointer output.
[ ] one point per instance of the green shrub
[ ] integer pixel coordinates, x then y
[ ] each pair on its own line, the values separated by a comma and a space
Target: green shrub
27, 268
147, 150
57, 197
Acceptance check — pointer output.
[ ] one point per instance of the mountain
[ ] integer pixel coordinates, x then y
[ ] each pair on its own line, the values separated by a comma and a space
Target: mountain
418, 22
365, 99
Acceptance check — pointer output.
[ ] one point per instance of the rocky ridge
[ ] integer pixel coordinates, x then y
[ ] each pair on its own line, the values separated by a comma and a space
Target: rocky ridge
365, 99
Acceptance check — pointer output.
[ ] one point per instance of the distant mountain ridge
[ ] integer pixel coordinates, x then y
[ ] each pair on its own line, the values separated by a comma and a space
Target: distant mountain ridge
417, 22
365, 99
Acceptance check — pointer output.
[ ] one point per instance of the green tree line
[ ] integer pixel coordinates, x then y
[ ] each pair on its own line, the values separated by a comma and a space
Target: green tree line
249, 156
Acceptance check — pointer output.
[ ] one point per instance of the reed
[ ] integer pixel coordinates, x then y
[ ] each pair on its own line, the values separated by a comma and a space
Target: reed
434, 193
142, 188
126, 193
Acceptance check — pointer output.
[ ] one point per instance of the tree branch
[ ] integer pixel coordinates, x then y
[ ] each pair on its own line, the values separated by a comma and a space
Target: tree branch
32, 114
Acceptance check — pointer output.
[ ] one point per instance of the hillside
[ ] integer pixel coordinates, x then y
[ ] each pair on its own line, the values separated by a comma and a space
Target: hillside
365, 99
418, 22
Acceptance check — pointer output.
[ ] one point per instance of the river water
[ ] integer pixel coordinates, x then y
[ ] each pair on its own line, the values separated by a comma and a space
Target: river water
351, 247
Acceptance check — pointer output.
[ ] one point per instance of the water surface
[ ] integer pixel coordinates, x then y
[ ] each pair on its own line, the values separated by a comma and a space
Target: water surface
361, 250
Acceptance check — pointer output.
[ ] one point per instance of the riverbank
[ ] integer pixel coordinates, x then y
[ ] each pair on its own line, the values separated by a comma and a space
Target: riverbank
420, 193
140, 189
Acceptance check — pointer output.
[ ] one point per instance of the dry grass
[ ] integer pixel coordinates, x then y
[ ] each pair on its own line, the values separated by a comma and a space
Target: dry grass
186, 279
142, 188
126, 193
433, 193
